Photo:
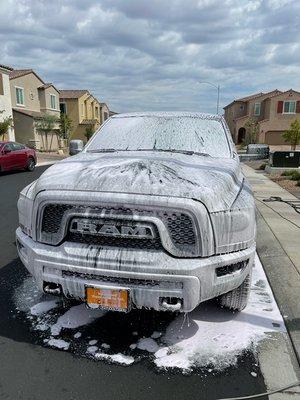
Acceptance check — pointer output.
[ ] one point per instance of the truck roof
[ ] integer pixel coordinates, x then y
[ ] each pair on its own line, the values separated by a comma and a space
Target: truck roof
162, 114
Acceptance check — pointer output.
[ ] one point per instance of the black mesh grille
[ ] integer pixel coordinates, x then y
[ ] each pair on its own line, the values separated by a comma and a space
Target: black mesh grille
122, 280
180, 225
154, 244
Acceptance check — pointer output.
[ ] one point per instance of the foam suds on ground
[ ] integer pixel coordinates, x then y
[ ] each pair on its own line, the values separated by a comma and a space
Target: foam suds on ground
207, 337
75, 317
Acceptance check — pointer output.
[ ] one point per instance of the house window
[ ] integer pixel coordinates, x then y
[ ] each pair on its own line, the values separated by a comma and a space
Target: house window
257, 109
1, 84
289, 107
53, 101
20, 96
97, 112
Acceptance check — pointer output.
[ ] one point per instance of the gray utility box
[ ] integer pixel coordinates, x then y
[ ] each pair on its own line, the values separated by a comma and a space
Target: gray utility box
261, 149
285, 159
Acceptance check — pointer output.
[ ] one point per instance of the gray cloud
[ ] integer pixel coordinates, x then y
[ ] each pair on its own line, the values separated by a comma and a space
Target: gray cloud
140, 54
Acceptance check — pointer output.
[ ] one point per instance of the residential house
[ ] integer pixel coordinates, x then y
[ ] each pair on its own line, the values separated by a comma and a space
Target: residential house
274, 111
83, 109
32, 100
5, 100
104, 112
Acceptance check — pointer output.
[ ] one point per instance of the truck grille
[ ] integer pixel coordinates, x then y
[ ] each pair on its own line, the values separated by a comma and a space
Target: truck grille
179, 225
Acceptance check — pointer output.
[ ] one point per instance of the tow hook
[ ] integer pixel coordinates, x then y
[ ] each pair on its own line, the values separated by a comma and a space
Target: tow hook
170, 305
52, 288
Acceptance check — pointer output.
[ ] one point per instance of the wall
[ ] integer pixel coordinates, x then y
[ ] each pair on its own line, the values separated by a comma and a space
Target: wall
30, 84
45, 101
271, 130
231, 113
5, 102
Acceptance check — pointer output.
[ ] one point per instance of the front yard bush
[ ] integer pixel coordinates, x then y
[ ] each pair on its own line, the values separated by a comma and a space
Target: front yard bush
295, 176
262, 167
287, 173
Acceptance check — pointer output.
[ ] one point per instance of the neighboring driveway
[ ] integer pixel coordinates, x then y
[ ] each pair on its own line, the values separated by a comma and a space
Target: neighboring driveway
49, 158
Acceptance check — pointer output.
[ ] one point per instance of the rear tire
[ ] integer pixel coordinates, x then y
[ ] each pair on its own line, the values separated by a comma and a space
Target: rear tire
30, 164
237, 299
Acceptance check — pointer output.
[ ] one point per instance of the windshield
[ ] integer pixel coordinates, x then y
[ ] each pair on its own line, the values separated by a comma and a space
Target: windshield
191, 134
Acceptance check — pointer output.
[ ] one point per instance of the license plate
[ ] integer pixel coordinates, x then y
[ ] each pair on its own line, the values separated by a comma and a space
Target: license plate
109, 299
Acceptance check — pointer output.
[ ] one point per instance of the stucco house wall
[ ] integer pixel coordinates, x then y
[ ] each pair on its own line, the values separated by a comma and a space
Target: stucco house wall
37, 104
80, 106
272, 122
5, 100
45, 100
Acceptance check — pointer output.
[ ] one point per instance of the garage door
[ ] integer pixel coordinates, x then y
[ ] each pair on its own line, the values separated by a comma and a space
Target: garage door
274, 137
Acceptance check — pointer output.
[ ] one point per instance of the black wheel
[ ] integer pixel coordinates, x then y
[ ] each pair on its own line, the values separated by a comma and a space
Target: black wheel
237, 299
30, 164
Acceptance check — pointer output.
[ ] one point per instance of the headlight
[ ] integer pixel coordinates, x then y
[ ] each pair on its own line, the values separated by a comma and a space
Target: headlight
25, 205
235, 229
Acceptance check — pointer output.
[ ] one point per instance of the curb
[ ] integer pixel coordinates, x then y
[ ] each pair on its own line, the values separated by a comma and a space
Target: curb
283, 278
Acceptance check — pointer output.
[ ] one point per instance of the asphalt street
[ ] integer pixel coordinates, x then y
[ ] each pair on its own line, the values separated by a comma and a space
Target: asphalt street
29, 369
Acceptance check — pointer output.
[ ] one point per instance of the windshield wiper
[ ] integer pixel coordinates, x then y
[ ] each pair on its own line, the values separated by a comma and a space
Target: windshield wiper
188, 152
102, 151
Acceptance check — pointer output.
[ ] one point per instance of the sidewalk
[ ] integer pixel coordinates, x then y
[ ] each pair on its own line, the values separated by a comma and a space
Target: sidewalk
48, 158
278, 246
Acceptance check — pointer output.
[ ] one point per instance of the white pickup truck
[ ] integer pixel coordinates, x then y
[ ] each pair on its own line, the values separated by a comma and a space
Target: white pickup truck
154, 212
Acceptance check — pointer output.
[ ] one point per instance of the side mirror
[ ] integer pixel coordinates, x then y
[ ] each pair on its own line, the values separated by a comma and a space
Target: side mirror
75, 147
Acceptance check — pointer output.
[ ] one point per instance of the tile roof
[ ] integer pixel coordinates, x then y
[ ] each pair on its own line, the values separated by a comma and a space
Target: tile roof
47, 85
29, 113
72, 94
256, 95
286, 91
6, 67
17, 73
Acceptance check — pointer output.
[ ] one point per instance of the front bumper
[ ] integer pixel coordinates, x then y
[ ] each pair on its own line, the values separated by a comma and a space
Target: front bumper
150, 276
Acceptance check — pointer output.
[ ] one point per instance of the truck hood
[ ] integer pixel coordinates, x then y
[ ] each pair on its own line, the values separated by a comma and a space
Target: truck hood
213, 181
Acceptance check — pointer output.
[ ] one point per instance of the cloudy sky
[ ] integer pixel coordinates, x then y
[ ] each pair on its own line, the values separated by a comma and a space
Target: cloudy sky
151, 54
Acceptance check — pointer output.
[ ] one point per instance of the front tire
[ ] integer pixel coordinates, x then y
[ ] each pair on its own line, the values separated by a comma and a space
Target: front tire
30, 164
238, 298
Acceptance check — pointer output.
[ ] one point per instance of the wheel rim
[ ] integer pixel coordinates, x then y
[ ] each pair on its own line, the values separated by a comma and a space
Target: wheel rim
31, 165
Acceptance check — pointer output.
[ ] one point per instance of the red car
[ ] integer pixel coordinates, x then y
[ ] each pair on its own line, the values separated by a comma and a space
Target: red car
16, 156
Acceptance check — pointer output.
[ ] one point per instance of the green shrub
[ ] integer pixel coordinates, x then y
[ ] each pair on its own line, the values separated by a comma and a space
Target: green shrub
287, 173
262, 166
295, 176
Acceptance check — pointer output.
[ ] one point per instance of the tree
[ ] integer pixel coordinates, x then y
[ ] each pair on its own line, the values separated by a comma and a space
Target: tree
89, 131
45, 125
252, 130
292, 135
5, 125
65, 126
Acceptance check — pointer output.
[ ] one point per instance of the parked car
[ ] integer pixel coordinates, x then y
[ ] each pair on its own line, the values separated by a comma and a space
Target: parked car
154, 212
16, 156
